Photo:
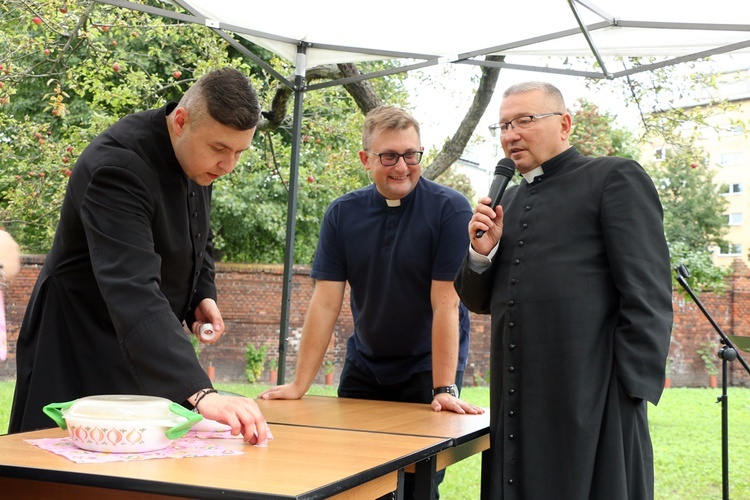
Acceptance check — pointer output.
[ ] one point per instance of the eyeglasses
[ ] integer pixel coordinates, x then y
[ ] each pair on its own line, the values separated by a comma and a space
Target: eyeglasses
390, 159
522, 122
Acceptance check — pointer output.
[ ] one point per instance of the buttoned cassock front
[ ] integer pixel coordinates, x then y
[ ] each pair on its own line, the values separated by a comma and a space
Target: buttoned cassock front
131, 260
580, 297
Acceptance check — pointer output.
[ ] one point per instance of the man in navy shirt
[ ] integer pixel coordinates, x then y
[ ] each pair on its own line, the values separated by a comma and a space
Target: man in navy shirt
399, 243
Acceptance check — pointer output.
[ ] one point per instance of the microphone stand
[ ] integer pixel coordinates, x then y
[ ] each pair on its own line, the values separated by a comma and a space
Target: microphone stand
727, 353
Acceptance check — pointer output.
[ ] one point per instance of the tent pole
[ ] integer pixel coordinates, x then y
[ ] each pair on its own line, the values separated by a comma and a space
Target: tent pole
291, 214
587, 36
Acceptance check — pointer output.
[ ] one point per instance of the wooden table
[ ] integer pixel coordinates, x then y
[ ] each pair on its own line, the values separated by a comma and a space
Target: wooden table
323, 448
469, 434
301, 462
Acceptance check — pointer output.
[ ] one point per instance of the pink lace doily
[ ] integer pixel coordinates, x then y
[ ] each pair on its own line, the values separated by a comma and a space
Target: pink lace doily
189, 446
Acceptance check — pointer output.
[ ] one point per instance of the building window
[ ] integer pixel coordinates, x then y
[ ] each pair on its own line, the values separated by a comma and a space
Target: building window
729, 159
734, 219
732, 188
731, 129
730, 249
660, 153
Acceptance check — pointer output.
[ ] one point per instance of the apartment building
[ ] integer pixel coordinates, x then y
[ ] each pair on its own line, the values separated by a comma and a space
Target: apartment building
727, 146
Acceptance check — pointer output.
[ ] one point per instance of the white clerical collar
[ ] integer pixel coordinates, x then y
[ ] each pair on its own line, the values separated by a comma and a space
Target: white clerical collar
533, 174
393, 203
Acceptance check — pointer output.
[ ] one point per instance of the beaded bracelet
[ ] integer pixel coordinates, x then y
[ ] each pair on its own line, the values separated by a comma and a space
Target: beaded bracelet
202, 394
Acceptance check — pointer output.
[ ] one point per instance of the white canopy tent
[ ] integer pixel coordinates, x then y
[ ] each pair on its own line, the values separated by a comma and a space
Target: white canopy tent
314, 32
422, 33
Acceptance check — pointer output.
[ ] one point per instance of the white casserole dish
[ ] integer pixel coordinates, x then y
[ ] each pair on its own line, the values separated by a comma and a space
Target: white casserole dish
122, 423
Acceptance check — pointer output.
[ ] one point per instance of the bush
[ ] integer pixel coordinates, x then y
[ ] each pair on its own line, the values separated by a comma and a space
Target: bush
255, 361
707, 353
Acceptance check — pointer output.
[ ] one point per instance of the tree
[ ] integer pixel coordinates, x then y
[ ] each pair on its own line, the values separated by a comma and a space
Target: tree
693, 212
693, 205
459, 182
250, 205
72, 69
594, 135
69, 70
454, 146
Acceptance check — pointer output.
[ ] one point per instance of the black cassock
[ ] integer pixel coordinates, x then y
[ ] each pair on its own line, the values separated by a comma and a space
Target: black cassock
580, 294
130, 261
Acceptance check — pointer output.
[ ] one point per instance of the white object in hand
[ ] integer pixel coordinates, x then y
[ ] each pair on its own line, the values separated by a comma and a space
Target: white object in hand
207, 331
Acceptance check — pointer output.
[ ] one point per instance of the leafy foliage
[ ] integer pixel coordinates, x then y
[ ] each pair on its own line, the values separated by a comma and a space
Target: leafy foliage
693, 210
458, 181
707, 352
255, 360
70, 69
250, 205
594, 135
693, 205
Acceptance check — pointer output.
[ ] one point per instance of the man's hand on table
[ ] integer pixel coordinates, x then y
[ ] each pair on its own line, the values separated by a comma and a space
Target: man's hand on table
286, 391
241, 414
446, 402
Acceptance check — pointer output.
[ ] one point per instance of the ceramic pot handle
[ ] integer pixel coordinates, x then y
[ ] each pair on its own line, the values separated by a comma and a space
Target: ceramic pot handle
54, 411
181, 429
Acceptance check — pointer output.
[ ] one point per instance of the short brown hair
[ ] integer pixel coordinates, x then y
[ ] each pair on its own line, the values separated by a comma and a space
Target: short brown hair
227, 96
386, 118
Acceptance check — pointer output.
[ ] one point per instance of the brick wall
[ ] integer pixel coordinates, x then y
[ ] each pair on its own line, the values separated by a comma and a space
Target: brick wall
250, 300
730, 310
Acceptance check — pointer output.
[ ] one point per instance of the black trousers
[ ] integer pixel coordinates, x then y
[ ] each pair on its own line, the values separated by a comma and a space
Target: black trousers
356, 383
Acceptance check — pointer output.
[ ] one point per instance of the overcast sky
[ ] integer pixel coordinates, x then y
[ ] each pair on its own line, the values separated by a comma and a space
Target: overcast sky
440, 106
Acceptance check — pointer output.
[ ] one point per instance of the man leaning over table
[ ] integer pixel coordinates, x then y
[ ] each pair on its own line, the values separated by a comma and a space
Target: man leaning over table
399, 243
132, 259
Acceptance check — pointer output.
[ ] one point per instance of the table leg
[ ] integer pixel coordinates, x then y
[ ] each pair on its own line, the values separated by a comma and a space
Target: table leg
424, 479
486, 473
400, 483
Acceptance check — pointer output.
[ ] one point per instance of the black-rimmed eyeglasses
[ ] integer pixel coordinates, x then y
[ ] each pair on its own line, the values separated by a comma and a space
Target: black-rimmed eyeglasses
390, 159
522, 122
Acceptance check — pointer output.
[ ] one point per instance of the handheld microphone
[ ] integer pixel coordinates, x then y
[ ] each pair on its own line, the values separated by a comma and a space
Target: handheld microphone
503, 174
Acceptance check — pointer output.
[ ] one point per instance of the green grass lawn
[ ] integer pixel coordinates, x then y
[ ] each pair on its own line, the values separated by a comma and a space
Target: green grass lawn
685, 429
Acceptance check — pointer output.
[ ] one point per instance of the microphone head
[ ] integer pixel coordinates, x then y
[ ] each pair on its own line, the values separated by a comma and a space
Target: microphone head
505, 167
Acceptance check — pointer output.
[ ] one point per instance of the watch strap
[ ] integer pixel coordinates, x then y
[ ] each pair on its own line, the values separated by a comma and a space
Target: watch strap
446, 389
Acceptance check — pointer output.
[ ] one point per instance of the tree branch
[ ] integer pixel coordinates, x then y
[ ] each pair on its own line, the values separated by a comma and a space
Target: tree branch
362, 92
275, 117
455, 146
366, 99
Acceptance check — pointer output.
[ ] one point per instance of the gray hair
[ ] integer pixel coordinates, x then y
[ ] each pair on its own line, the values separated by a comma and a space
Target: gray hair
548, 89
